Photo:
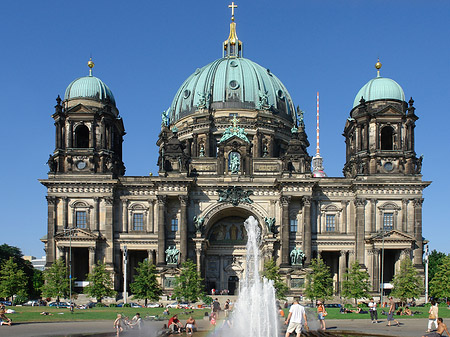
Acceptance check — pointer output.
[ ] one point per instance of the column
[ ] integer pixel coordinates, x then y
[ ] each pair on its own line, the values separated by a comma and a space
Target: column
150, 224
222, 272
360, 245
285, 230
70, 135
124, 215
96, 214
342, 266
51, 224
65, 211
161, 229
61, 252
149, 255
418, 231
307, 226
198, 252
410, 218
91, 258
373, 215
376, 269
344, 225
183, 227
91, 135
351, 257
109, 231
405, 215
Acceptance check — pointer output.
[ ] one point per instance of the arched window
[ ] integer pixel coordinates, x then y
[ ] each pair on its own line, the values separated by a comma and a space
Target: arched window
387, 138
82, 137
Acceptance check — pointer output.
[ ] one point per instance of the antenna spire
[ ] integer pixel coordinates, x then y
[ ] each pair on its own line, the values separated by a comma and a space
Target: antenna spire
317, 163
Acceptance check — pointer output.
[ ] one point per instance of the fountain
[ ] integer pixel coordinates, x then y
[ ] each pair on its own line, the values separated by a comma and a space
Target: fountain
255, 312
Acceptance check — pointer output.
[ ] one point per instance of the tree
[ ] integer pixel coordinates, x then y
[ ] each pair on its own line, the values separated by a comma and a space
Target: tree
100, 283
356, 283
272, 272
13, 280
145, 285
435, 260
188, 284
407, 283
38, 281
57, 283
319, 284
440, 284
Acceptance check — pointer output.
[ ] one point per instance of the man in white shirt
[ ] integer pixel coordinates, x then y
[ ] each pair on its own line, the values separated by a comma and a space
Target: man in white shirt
296, 318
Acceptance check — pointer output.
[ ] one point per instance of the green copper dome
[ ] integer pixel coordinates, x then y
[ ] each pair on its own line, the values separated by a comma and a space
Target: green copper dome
88, 87
380, 88
232, 83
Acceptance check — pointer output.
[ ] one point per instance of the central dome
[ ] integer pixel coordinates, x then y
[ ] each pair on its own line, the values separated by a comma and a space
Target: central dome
232, 83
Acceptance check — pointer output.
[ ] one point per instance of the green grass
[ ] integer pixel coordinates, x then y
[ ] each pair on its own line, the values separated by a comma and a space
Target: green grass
32, 314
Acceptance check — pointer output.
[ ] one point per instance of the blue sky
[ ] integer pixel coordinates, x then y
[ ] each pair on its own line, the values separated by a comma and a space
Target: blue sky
144, 50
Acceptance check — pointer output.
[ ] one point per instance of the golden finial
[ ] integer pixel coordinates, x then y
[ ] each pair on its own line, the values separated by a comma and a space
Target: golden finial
378, 66
91, 65
232, 6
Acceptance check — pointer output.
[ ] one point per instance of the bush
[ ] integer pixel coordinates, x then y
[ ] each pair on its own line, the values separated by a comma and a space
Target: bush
113, 305
19, 299
126, 305
100, 305
207, 300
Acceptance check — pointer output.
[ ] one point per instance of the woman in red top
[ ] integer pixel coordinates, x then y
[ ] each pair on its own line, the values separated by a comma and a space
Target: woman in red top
321, 313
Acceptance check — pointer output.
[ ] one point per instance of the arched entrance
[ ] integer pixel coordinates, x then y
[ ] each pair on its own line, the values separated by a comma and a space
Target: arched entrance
226, 250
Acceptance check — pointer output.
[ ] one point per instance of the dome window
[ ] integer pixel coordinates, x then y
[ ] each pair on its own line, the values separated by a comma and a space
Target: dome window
387, 138
197, 71
82, 137
280, 94
233, 64
186, 93
234, 84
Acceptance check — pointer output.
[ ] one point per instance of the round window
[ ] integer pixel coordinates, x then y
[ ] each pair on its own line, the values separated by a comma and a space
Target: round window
388, 166
186, 93
280, 94
234, 84
233, 64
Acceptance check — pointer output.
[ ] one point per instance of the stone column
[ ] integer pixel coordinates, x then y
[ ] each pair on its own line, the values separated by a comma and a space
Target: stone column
360, 224
351, 257
150, 224
65, 211
344, 225
418, 231
51, 224
96, 214
183, 227
285, 230
124, 215
342, 267
222, 272
91, 258
373, 215
307, 245
149, 255
91, 135
109, 231
61, 252
161, 229
376, 269
405, 215
70, 135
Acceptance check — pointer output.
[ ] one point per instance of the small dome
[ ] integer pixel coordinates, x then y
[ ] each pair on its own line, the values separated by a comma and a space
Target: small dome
233, 83
88, 87
380, 88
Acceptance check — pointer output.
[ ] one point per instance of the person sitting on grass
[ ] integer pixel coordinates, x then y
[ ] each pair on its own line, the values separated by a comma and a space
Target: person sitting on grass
3, 318
174, 324
360, 311
407, 312
440, 329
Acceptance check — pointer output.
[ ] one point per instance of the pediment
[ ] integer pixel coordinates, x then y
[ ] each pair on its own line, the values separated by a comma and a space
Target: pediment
76, 234
79, 108
390, 110
235, 138
390, 236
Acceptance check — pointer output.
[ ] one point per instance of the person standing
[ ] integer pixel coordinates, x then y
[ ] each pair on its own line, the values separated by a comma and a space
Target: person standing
118, 325
433, 315
373, 311
137, 321
321, 313
296, 319
390, 316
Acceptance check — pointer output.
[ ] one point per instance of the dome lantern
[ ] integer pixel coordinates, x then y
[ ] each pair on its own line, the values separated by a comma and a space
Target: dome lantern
232, 47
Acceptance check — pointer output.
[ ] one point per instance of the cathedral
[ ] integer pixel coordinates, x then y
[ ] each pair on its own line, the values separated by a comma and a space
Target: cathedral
233, 145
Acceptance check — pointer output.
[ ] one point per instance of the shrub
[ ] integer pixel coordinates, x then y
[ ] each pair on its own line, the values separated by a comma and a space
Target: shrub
112, 305
126, 305
100, 305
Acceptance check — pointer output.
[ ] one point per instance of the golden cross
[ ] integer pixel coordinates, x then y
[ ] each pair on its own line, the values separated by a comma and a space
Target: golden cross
232, 6
235, 121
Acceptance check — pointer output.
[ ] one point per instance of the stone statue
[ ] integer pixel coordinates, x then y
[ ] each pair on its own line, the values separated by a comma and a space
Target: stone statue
263, 100
52, 164
198, 223
235, 163
297, 257
300, 117
270, 223
172, 255
202, 100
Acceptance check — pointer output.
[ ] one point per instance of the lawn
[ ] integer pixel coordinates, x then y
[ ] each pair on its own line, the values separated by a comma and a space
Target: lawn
32, 314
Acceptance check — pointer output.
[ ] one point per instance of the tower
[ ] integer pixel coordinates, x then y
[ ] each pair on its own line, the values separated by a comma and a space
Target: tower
317, 161
89, 130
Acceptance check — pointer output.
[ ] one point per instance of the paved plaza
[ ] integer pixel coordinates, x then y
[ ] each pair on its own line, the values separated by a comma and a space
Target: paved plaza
408, 327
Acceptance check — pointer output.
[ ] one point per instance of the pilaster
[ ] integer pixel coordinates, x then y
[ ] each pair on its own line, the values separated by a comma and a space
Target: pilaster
284, 200
307, 245
183, 227
161, 229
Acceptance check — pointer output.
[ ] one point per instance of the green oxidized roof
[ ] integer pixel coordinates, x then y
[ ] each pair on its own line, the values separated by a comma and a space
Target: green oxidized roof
232, 83
88, 87
380, 88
